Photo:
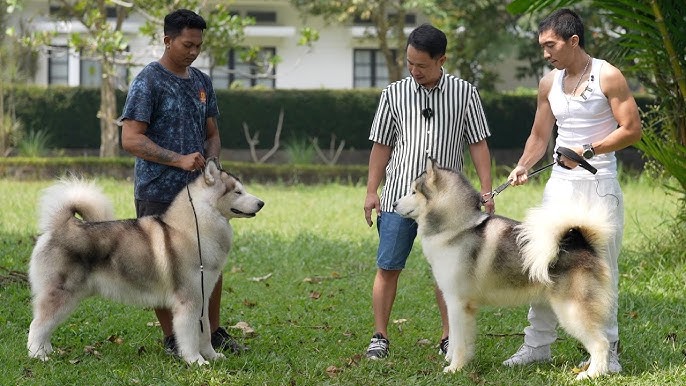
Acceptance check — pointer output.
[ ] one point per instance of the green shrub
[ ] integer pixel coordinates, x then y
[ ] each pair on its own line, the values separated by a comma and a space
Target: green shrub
69, 114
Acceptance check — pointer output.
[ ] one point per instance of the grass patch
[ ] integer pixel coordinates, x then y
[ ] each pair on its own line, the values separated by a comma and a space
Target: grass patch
313, 316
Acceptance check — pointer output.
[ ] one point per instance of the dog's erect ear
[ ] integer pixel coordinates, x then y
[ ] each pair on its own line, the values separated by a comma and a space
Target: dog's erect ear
431, 166
212, 169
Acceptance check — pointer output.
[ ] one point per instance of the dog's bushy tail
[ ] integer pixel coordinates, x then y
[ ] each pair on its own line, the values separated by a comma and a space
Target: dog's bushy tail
71, 196
545, 226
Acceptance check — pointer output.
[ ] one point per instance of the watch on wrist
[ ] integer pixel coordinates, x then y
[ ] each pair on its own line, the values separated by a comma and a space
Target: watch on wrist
588, 152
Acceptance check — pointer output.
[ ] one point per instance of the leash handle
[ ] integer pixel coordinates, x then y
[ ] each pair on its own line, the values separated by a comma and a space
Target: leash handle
571, 154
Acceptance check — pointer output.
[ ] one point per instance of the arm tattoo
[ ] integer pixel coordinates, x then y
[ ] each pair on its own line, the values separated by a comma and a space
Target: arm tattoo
155, 153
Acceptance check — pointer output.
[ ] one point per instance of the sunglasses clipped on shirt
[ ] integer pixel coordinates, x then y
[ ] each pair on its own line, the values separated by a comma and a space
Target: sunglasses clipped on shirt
427, 113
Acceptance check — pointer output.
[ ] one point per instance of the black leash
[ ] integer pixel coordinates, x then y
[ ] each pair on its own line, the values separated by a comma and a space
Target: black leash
202, 271
561, 151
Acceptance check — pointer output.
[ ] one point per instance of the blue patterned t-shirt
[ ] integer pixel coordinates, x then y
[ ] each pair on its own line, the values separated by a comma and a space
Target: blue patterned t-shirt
176, 110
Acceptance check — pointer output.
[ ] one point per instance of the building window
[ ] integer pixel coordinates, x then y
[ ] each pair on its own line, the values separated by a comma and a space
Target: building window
262, 17
58, 65
243, 71
91, 73
410, 19
370, 68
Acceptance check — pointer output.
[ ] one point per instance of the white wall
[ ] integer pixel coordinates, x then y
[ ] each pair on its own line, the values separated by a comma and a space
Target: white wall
327, 64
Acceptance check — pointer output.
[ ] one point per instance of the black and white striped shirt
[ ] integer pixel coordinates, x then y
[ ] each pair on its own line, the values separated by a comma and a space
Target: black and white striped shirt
458, 119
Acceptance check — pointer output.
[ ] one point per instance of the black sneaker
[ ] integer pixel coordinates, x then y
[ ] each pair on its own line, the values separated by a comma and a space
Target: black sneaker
170, 348
222, 341
443, 346
378, 347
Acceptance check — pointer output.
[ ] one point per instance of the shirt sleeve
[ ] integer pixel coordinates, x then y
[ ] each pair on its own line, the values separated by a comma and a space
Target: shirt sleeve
476, 124
384, 125
139, 101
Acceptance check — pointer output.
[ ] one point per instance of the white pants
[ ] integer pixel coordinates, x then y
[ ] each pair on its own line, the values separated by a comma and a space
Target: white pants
542, 320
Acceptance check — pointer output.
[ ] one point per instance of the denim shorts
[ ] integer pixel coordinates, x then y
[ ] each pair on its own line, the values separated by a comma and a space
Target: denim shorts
396, 236
150, 208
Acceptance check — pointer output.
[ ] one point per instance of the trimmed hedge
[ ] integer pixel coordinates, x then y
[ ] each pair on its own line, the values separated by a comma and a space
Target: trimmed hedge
22, 168
70, 115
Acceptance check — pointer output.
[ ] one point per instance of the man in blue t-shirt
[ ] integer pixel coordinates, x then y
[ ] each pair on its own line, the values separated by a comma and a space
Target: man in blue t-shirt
170, 124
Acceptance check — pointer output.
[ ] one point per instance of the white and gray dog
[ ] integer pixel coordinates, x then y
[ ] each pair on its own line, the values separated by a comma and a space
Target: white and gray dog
556, 256
151, 261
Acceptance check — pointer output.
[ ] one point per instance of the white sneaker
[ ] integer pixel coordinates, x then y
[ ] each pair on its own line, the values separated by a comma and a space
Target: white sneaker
613, 365
527, 354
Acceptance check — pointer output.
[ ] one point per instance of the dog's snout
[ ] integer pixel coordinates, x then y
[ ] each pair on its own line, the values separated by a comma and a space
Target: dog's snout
395, 204
260, 204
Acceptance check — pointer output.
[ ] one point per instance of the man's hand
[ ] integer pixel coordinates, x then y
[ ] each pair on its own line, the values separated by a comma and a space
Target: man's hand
489, 206
191, 162
371, 202
518, 176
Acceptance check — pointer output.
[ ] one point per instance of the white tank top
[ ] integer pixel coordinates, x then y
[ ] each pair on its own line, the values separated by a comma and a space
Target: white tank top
583, 119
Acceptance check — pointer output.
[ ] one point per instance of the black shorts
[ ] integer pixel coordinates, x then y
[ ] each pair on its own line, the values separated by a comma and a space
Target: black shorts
150, 208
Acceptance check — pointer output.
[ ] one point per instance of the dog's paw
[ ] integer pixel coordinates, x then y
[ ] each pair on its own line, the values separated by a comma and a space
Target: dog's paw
217, 356
587, 375
43, 356
42, 353
582, 376
199, 360
453, 367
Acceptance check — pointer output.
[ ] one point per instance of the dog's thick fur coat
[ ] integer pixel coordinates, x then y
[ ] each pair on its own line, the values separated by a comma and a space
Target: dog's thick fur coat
151, 261
556, 256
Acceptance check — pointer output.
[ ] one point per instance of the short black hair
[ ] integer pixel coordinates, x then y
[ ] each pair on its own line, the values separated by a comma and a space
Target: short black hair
176, 21
565, 23
429, 39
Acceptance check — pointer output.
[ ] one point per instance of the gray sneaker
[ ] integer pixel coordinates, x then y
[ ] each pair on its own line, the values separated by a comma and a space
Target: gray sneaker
378, 347
527, 354
613, 365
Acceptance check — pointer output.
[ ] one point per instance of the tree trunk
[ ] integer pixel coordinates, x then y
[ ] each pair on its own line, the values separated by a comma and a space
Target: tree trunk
109, 130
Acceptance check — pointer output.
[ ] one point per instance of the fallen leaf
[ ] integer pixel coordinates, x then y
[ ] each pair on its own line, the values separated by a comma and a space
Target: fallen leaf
261, 278
332, 371
91, 350
315, 295
249, 303
116, 339
245, 328
475, 378
424, 342
399, 323
354, 360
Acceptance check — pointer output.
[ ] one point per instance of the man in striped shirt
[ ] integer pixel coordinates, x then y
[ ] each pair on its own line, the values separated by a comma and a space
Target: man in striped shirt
428, 114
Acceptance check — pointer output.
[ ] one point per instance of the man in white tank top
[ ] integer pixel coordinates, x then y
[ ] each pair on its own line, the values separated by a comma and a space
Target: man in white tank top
596, 115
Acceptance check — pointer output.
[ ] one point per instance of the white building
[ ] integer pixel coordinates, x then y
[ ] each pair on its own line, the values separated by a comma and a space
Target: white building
342, 58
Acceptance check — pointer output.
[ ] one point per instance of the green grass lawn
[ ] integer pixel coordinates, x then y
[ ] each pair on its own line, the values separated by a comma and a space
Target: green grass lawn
312, 316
